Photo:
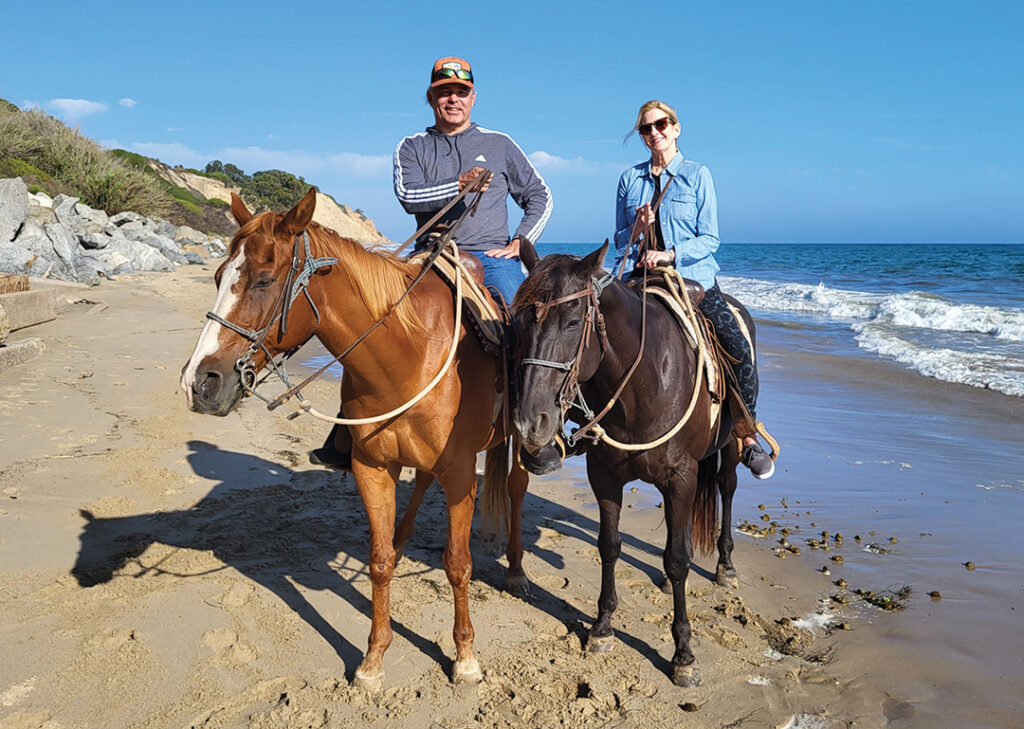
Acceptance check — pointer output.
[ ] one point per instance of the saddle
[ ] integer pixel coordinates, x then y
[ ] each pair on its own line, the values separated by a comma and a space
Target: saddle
489, 317
670, 289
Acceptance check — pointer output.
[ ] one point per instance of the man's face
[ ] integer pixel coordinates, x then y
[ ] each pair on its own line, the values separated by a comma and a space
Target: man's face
452, 104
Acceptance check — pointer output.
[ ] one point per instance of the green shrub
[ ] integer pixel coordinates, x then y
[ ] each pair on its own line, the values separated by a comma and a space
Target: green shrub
14, 167
132, 159
190, 206
101, 179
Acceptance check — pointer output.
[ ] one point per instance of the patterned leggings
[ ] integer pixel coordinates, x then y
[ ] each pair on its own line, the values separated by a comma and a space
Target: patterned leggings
728, 331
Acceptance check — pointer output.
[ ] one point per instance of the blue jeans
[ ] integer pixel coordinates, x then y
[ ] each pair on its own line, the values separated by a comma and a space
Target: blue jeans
504, 274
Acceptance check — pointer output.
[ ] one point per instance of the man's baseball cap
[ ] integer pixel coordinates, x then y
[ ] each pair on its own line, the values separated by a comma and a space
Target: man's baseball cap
451, 69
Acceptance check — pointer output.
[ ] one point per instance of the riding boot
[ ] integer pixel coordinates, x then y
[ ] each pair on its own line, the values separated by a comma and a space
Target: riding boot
336, 452
545, 460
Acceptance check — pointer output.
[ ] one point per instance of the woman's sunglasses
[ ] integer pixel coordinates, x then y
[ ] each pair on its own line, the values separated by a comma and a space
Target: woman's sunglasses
661, 125
459, 73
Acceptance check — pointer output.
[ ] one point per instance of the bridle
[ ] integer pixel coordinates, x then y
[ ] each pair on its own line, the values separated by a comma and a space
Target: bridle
570, 394
297, 279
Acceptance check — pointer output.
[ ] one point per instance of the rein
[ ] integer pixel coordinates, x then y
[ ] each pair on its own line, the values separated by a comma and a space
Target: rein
298, 279
570, 393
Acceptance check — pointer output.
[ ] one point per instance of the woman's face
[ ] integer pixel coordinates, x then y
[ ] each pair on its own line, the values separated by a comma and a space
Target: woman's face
659, 140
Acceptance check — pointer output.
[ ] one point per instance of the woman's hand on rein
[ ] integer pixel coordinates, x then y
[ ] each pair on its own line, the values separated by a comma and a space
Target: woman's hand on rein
653, 259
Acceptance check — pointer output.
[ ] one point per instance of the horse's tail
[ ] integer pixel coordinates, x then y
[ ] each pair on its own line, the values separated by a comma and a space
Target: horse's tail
704, 515
494, 507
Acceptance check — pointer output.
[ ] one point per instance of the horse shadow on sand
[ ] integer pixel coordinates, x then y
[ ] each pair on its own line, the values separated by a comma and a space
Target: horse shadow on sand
284, 529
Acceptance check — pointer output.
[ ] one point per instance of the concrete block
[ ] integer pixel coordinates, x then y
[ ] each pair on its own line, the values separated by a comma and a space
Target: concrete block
19, 352
25, 308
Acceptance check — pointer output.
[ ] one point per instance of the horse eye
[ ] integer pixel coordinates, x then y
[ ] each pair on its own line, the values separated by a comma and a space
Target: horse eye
263, 283
573, 324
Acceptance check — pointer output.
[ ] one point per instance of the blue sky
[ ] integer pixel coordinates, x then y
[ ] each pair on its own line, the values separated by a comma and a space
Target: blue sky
821, 122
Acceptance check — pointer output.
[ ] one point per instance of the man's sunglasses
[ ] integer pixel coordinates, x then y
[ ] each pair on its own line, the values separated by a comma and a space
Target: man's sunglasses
457, 73
661, 125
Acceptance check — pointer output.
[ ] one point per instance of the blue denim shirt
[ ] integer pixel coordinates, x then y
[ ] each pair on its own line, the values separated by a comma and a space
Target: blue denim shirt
688, 216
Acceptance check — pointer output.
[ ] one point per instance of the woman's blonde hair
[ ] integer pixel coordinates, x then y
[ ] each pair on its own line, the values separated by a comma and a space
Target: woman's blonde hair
648, 106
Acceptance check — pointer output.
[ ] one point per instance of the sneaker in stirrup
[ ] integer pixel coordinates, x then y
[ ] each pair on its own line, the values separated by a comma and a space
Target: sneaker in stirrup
759, 462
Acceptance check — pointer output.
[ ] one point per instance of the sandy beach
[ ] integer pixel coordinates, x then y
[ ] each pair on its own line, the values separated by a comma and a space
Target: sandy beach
164, 569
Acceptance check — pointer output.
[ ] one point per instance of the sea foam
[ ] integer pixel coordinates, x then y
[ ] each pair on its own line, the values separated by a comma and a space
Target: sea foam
936, 336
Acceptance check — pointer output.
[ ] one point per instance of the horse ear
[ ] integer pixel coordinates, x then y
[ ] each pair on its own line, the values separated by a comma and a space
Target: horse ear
528, 254
238, 209
297, 219
593, 260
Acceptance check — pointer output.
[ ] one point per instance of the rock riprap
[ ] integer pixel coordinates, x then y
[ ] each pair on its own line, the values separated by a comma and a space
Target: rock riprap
63, 238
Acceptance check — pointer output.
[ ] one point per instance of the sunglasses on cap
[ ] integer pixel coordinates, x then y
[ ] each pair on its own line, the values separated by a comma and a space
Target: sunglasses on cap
458, 74
661, 125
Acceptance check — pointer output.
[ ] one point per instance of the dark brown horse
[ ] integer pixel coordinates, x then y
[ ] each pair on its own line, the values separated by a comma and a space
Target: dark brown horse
559, 337
347, 289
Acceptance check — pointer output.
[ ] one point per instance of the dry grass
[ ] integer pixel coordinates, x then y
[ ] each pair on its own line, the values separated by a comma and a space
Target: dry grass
78, 164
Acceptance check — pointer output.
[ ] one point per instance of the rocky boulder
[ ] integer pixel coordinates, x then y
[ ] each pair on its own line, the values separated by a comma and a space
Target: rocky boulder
64, 238
13, 207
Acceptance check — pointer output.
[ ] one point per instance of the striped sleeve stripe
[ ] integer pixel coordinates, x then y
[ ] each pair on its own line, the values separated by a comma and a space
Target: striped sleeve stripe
535, 232
427, 194
430, 193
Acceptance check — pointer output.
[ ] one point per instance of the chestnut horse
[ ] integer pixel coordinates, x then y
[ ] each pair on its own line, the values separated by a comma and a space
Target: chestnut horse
559, 310
349, 289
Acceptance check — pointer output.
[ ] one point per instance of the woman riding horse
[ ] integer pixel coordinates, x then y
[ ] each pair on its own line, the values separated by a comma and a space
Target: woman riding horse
684, 234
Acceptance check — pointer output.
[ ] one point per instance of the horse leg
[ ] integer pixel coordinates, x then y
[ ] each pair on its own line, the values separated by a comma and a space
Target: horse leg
725, 573
404, 529
679, 495
515, 576
377, 487
460, 493
608, 492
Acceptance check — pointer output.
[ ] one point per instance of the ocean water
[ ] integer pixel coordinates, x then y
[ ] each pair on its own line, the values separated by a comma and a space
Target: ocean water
949, 312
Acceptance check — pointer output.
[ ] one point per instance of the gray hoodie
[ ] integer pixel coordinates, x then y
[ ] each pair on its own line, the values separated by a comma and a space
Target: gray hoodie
427, 169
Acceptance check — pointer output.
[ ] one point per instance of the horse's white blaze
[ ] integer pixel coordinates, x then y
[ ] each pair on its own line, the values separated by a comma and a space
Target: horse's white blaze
207, 344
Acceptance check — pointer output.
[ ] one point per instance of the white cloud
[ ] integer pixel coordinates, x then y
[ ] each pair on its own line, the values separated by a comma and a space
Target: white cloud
553, 164
305, 164
175, 129
75, 108
174, 153
129, 102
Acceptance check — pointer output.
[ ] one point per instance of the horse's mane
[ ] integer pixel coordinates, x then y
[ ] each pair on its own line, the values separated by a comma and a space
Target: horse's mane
378, 275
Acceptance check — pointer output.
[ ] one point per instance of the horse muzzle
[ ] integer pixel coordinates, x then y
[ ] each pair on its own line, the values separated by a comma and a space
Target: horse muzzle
535, 431
211, 392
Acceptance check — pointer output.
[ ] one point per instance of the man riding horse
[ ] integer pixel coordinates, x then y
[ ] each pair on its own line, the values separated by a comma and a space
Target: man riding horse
434, 166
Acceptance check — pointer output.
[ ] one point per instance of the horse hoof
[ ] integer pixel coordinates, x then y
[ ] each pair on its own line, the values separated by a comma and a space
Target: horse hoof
601, 644
726, 578
517, 585
368, 681
686, 676
467, 672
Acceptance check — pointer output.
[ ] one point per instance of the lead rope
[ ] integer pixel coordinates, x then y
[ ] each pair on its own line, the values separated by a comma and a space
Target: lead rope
307, 406
670, 275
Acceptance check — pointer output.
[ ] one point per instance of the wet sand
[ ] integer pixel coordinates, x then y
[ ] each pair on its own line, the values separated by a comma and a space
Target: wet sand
164, 569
